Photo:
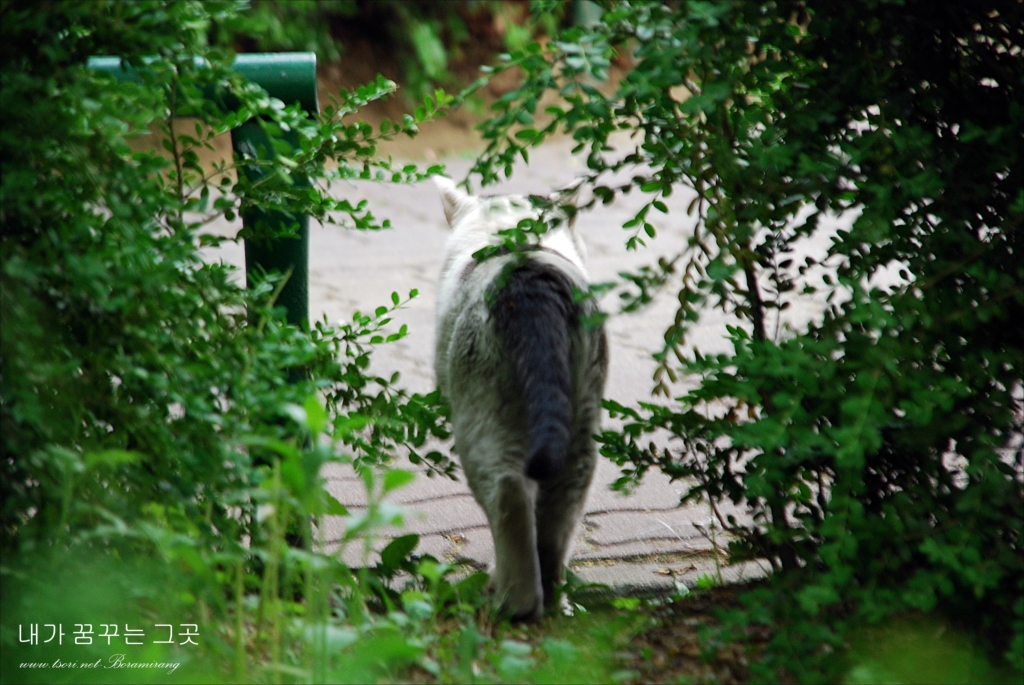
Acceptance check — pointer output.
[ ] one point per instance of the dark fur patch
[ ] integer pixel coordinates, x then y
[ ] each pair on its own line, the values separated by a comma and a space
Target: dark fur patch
533, 313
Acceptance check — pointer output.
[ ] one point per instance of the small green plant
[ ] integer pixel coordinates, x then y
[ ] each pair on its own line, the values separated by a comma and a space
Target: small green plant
375, 622
708, 581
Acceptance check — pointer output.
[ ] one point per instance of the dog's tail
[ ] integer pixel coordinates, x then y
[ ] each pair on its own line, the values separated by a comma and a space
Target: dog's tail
533, 312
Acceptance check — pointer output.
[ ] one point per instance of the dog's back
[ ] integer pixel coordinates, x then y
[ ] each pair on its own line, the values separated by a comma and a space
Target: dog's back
524, 376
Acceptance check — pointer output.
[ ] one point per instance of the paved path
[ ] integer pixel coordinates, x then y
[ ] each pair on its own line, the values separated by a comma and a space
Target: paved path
642, 542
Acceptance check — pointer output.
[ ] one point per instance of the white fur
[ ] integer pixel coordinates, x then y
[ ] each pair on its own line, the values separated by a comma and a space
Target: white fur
532, 524
475, 222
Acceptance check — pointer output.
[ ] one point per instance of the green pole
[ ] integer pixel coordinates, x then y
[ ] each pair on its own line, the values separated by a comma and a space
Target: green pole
290, 255
289, 77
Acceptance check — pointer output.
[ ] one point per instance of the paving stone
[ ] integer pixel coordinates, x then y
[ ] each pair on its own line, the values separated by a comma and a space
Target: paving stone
443, 547
648, 579
350, 490
446, 515
637, 549
423, 518
472, 543
619, 527
656, 491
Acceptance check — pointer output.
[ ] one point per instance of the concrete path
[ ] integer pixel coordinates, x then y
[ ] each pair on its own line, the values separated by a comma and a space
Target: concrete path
643, 542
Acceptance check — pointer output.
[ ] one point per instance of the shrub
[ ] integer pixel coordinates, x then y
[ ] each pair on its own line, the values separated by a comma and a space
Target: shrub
878, 448
299, 25
157, 418
428, 39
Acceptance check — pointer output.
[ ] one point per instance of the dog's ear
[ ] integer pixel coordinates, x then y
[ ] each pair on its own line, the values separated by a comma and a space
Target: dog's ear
454, 200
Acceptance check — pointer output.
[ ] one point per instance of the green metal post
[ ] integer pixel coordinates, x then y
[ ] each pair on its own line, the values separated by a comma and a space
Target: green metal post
289, 256
586, 13
289, 77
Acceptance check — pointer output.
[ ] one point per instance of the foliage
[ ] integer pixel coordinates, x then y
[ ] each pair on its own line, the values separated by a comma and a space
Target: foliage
425, 36
101, 272
920, 651
297, 25
877, 445
163, 429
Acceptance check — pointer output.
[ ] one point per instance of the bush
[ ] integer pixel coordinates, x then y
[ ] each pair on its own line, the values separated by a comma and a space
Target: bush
878, 448
298, 25
428, 39
162, 428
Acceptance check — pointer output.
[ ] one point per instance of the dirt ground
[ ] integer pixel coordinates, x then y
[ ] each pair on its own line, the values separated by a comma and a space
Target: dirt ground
675, 651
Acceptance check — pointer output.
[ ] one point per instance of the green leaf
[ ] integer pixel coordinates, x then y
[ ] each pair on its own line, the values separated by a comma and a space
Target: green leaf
316, 416
397, 478
398, 550
280, 446
112, 457
334, 507
350, 424
472, 587
430, 51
